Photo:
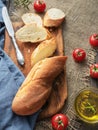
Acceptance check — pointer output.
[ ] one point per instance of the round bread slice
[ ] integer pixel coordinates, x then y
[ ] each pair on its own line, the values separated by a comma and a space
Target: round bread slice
31, 33
32, 18
53, 17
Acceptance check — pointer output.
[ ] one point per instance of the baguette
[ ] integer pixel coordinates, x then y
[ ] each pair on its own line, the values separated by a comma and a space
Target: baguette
53, 17
32, 18
36, 88
31, 33
43, 50
57, 98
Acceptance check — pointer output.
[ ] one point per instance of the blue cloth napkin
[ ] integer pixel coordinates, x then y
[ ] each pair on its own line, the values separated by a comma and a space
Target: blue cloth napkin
11, 79
2, 27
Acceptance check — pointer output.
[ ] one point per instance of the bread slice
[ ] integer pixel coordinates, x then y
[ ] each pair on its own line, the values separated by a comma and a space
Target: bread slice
31, 33
53, 17
43, 50
32, 18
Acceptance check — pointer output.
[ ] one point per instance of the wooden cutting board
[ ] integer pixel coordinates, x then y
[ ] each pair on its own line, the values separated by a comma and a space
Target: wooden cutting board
59, 91
27, 48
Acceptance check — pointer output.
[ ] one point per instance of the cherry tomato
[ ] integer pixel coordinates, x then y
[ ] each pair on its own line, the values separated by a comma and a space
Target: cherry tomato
79, 54
93, 40
39, 5
94, 71
59, 121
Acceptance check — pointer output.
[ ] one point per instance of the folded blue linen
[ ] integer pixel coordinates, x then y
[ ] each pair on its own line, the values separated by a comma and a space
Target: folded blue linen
11, 79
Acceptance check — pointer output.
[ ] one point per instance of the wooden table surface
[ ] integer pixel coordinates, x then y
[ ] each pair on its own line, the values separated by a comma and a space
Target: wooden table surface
81, 21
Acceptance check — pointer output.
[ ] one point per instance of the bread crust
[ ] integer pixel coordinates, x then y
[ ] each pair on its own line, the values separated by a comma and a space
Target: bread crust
44, 50
36, 88
50, 20
52, 23
57, 97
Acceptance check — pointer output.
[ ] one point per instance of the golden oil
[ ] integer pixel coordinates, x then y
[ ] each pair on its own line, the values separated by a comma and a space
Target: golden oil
86, 105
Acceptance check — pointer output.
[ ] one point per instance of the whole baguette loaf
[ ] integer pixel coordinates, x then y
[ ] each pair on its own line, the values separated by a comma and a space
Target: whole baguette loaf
31, 33
37, 86
53, 17
44, 50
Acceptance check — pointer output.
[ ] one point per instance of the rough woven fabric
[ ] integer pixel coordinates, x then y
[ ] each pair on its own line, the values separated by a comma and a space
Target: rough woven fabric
81, 21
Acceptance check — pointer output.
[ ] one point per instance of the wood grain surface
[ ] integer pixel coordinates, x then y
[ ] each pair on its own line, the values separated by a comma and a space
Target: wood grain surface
58, 95
25, 48
28, 48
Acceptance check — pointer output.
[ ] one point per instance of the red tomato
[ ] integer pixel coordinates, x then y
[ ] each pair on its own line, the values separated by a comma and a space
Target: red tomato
39, 5
93, 40
59, 122
79, 54
94, 71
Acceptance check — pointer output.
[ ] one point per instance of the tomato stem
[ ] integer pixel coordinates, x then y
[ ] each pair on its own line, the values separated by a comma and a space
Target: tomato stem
79, 53
41, 2
96, 36
95, 69
60, 123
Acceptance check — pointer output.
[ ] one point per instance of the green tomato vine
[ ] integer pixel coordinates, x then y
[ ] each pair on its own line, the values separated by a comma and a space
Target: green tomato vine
22, 3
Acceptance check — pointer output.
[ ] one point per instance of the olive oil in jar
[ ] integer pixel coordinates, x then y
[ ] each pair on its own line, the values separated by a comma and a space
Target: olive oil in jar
86, 106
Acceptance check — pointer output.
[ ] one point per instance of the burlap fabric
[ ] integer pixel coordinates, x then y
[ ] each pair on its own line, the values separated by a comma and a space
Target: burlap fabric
81, 21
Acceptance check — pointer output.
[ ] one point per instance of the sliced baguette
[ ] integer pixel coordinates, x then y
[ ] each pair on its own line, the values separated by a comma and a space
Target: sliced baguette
53, 17
43, 50
31, 33
32, 18
36, 88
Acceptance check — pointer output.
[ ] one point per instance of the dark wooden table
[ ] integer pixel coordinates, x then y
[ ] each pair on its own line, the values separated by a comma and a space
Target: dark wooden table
81, 21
